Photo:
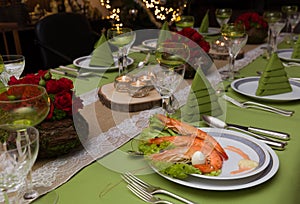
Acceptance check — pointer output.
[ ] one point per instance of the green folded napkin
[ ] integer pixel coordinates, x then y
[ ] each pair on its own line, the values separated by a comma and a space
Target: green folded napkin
202, 99
164, 33
296, 51
274, 79
102, 55
204, 24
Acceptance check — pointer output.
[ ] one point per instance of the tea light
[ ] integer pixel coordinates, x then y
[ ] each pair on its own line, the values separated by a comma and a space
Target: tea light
121, 83
138, 89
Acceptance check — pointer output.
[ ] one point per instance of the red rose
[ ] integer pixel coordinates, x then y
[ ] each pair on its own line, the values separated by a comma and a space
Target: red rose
52, 86
65, 84
50, 114
63, 101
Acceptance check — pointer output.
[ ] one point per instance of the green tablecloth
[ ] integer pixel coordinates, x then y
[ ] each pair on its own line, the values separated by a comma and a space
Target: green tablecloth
97, 183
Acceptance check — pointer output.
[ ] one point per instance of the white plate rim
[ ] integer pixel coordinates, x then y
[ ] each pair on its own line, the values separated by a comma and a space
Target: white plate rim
289, 51
216, 185
147, 42
275, 98
78, 60
211, 31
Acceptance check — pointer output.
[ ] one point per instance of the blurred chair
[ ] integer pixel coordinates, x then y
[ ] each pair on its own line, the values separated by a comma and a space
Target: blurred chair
63, 37
10, 27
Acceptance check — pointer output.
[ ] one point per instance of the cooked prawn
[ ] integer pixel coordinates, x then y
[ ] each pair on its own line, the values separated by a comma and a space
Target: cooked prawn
186, 129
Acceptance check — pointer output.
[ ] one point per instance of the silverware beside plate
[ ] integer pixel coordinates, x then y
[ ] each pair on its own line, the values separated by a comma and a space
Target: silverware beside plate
266, 136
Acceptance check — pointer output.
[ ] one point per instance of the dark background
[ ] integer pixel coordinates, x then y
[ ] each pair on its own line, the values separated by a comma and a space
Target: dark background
12, 10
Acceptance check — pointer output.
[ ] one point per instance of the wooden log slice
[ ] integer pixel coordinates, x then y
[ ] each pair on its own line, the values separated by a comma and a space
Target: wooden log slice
124, 102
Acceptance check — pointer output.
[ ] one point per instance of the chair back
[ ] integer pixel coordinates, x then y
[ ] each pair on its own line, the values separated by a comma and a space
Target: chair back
5, 29
63, 37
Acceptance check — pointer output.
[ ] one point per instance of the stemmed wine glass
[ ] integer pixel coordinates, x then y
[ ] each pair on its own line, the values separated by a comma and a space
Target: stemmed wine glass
172, 57
288, 11
19, 146
271, 17
294, 19
24, 104
223, 15
236, 38
122, 38
275, 30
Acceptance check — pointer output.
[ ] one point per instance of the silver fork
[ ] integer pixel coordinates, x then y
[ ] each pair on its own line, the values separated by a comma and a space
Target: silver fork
251, 104
131, 179
145, 196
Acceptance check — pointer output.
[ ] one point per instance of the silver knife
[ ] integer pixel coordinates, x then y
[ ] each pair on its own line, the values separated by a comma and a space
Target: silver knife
217, 123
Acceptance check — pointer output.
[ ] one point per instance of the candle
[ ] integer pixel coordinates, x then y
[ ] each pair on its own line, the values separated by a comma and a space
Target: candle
147, 80
121, 83
138, 89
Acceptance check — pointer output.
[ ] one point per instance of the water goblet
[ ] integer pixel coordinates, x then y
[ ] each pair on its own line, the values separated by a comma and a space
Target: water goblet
24, 104
19, 146
294, 19
13, 65
166, 77
235, 38
122, 38
275, 30
184, 22
271, 17
288, 10
223, 15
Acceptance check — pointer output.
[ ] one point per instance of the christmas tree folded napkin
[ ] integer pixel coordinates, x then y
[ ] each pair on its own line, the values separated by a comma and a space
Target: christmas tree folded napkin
102, 55
204, 24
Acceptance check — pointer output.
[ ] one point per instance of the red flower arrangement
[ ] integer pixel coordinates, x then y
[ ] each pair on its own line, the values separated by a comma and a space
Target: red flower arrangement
252, 20
60, 92
196, 37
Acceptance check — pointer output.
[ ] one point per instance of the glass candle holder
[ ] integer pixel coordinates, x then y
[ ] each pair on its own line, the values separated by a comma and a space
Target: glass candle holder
121, 83
138, 89
147, 80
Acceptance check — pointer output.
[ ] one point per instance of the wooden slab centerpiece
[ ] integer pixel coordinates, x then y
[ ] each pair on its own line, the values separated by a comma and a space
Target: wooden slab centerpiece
122, 101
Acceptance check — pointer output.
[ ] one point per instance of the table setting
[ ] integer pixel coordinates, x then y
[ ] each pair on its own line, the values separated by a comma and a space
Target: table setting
250, 143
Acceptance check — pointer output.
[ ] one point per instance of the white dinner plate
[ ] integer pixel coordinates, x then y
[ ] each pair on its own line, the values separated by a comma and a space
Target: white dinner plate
150, 43
248, 85
233, 184
285, 54
84, 63
211, 31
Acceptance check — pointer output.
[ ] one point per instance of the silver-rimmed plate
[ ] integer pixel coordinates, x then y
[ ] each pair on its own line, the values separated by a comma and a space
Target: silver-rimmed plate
248, 85
150, 43
84, 63
232, 184
286, 54
211, 31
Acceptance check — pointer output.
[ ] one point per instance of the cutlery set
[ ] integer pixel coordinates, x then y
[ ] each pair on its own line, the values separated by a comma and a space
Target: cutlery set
71, 72
146, 191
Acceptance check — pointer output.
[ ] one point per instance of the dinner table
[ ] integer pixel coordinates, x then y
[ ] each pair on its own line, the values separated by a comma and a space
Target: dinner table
93, 173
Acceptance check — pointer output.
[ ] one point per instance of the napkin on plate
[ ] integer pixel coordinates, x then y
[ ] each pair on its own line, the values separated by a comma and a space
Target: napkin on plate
202, 99
164, 33
102, 55
296, 51
204, 24
274, 79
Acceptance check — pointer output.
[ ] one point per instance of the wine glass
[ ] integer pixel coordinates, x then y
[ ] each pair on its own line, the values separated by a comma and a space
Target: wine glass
235, 38
24, 104
271, 17
13, 65
294, 19
184, 22
275, 30
122, 38
172, 57
288, 10
19, 146
223, 15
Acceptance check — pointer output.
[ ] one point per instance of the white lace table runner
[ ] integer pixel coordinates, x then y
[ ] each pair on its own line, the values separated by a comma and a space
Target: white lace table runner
58, 171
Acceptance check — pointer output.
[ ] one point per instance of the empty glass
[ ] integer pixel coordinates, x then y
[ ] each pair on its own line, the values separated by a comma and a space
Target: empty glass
275, 30
288, 10
19, 146
236, 38
13, 66
294, 19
